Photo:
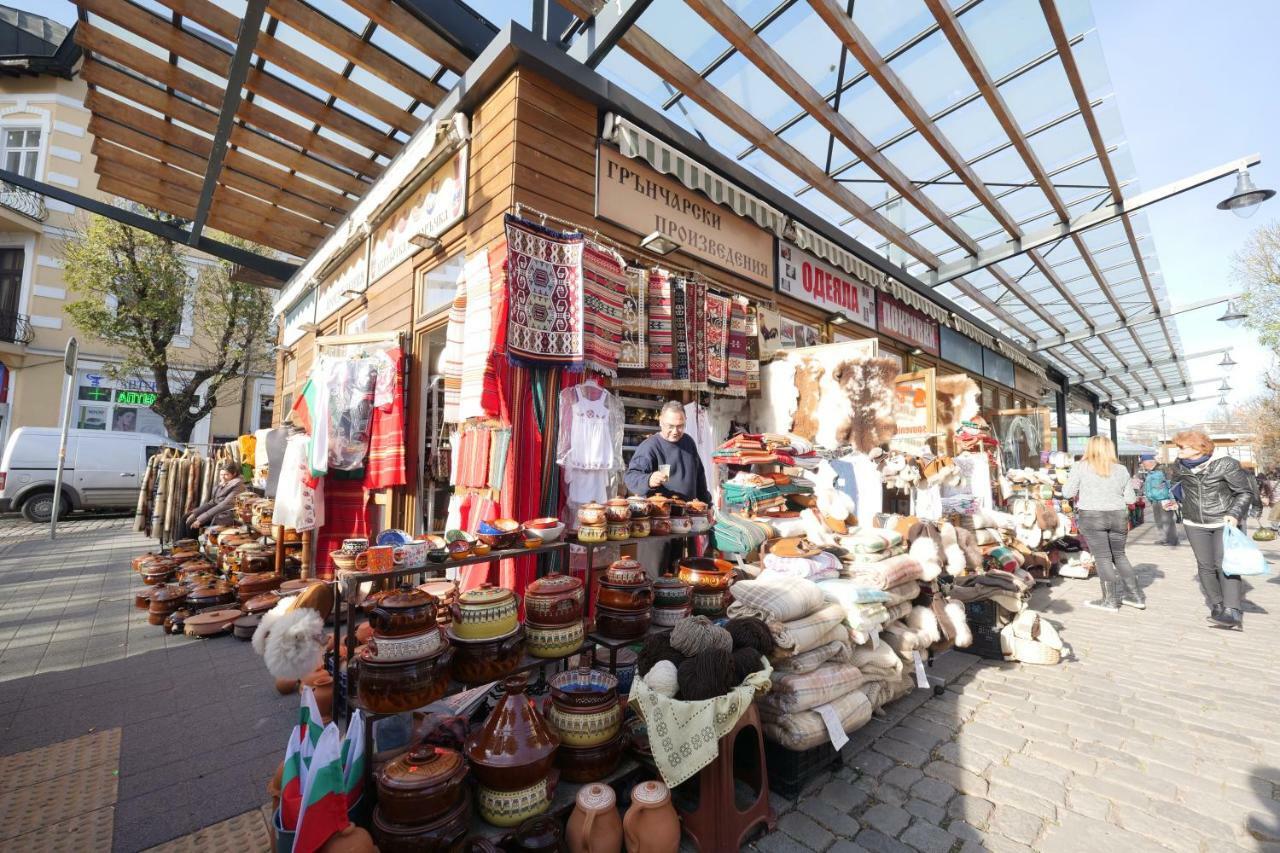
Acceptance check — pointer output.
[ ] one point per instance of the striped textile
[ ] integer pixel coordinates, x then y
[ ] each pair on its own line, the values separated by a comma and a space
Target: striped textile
478, 339
499, 448
776, 600
737, 349
604, 290
834, 652
808, 632
454, 336
698, 324
807, 729
544, 292
792, 692
473, 459
661, 353
385, 466
492, 400
681, 341
346, 515
634, 352
717, 338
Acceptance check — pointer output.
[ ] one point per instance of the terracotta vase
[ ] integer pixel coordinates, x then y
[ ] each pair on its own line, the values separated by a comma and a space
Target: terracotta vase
515, 747
594, 826
321, 684
651, 825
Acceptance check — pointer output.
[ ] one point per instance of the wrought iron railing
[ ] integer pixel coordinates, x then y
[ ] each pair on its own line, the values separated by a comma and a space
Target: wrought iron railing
23, 201
15, 328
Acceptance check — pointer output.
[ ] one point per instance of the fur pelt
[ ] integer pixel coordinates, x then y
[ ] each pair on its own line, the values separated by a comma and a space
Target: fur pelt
925, 624
958, 400
955, 612
259, 640
968, 544
953, 557
832, 501
835, 410
868, 385
776, 407
925, 551
295, 646
808, 384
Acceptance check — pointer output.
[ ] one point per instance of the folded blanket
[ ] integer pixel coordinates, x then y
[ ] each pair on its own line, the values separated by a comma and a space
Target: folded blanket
792, 692
870, 540
899, 610
889, 573
881, 693
847, 592
806, 729
881, 662
988, 536
778, 599
737, 535
858, 559
835, 652
816, 629
903, 592
904, 640
823, 565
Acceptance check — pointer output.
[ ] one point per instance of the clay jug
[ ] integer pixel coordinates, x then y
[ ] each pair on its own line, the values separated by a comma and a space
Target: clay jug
321, 684
651, 824
594, 826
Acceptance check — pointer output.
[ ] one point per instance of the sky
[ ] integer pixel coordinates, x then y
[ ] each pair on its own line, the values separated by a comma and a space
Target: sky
1193, 83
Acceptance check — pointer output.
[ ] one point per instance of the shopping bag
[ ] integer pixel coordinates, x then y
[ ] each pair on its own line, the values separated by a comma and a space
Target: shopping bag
1240, 557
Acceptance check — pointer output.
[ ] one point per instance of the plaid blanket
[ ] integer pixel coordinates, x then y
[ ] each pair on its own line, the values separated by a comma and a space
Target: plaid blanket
904, 592
806, 729
792, 692
881, 660
872, 540
856, 559
604, 290
737, 535
808, 632
820, 567
888, 573
834, 652
776, 599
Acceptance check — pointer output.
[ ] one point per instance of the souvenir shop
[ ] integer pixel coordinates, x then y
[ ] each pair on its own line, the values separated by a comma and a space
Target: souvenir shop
498, 643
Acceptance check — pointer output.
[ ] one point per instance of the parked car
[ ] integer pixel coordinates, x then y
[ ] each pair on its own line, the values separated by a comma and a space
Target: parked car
103, 470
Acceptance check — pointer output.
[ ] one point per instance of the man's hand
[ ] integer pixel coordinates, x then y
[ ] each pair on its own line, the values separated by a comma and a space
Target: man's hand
1231, 520
656, 479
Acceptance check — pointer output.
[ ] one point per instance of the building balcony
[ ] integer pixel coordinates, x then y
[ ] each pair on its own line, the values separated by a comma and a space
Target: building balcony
15, 328
23, 201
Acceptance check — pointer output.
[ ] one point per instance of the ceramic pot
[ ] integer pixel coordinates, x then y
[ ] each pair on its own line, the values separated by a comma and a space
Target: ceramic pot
623, 669
681, 525
626, 570
624, 596
670, 591
485, 613
421, 785
668, 617
251, 585
392, 687
321, 684
446, 833
254, 558
639, 507
699, 524
512, 808
210, 623
593, 533
212, 594
537, 835
595, 825
545, 530
261, 603
514, 749
244, 627
705, 573
696, 508
142, 600
617, 531
617, 510
583, 688
376, 560
554, 600
660, 526
409, 647
590, 764
154, 575
482, 661
355, 545
639, 528
659, 506
401, 613
553, 641
592, 515
677, 508
651, 825
709, 602
622, 624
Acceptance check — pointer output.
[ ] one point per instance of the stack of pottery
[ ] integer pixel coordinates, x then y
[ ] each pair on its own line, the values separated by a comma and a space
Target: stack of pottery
699, 516
709, 578
395, 686
423, 801
445, 593
501, 534
244, 506
660, 515
593, 525
545, 530
680, 522
404, 625
553, 616
512, 756
617, 514
639, 507
206, 594
651, 825
585, 712
623, 601
487, 638
163, 601
156, 569
252, 585
595, 826
620, 663
261, 513
672, 600
252, 557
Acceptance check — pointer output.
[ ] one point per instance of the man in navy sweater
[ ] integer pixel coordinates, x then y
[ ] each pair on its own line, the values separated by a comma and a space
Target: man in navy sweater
667, 462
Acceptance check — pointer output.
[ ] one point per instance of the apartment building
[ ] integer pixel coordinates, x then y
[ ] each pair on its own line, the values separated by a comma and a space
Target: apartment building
45, 135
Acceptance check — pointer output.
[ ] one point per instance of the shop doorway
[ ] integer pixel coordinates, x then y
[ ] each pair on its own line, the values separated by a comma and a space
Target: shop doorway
433, 479
11, 263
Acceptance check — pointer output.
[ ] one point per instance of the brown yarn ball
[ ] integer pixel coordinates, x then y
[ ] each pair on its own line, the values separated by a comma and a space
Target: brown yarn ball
746, 660
656, 647
750, 633
696, 634
705, 676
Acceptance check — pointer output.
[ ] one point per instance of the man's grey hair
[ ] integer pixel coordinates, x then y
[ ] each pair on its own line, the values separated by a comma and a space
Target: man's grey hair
674, 407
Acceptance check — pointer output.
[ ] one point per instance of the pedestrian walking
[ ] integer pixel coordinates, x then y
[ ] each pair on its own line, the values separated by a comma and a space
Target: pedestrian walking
1103, 493
1256, 488
1215, 493
1156, 490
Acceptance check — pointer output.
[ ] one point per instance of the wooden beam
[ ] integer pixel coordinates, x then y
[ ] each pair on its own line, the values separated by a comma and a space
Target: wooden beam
319, 26
185, 45
135, 59
288, 57
397, 19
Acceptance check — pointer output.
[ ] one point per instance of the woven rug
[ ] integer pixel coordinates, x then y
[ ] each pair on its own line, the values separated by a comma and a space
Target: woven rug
680, 337
738, 348
698, 325
634, 352
753, 350
661, 352
604, 290
717, 348
544, 289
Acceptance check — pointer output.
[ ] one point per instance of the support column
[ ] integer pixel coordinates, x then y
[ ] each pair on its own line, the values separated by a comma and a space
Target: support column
1062, 414
1115, 430
1093, 422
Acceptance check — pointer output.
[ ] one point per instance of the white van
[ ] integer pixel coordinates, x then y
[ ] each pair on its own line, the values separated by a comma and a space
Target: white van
103, 470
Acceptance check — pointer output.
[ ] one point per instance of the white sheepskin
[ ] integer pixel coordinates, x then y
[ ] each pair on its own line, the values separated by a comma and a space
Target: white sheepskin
269, 618
815, 529
955, 612
925, 624
295, 646
925, 552
776, 407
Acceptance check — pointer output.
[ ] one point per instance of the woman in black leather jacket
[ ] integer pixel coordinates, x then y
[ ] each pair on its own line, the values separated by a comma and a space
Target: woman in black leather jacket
1215, 493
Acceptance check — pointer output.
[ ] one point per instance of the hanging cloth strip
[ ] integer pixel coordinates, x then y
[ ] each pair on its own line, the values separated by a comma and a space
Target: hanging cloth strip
385, 465
604, 285
478, 339
455, 335
634, 351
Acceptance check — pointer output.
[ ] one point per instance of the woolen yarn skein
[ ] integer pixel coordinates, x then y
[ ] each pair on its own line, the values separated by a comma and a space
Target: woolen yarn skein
663, 679
751, 633
706, 675
746, 660
696, 634
656, 647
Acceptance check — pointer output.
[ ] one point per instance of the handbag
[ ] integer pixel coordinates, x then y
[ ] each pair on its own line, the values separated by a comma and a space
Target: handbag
1264, 534
1240, 557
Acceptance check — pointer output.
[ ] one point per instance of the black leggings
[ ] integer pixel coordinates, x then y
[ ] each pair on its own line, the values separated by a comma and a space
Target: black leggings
1106, 532
1206, 544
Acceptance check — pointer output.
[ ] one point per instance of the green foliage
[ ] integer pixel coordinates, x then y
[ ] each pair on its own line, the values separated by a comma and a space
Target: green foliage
132, 289
1257, 267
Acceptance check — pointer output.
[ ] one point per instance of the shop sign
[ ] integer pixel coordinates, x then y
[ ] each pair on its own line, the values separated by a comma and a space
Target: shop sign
997, 367
960, 350
335, 292
635, 196
802, 276
1027, 382
439, 203
914, 406
904, 323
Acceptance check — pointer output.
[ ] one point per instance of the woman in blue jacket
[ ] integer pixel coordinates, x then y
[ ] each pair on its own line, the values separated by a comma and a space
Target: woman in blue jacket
1156, 490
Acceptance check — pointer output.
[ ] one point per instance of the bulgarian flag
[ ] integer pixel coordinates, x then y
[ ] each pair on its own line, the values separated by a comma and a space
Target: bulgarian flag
311, 412
353, 758
324, 796
291, 780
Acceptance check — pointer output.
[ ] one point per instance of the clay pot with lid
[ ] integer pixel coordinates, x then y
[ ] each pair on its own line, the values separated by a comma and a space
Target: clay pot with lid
485, 613
639, 506
402, 612
670, 591
626, 571
446, 833
251, 585
659, 506
393, 687
595, 825
252, 558
515, 748
554, 600
625, 597
211, 594
651, 825
420, 785
592, 515
615, 624
481, 661
617, 510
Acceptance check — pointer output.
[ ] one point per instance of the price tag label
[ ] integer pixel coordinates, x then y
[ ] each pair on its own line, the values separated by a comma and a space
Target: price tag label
922, 680
835, 729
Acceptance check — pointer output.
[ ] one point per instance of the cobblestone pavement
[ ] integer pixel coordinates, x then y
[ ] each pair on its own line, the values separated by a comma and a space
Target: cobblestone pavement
1159, 733
202, 728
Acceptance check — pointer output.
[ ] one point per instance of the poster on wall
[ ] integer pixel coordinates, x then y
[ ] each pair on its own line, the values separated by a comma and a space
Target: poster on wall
804, 277
914, 407
770, 333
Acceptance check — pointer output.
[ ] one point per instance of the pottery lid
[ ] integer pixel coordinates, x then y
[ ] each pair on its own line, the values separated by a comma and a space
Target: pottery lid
592, 505
168, 593
404, 599
650, 793
423, 769
440, 589
596, 797
485, 596
617, 502
554, 585
670, 582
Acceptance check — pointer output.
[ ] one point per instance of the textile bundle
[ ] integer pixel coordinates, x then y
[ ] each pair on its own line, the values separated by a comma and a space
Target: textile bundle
807, 729
800, 692
776, 600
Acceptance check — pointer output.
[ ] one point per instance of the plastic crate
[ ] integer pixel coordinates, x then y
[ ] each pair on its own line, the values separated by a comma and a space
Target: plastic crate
790, 771
983, 619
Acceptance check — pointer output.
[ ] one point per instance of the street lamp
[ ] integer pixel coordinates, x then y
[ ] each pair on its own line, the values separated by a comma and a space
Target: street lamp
1225, 386
1245, 200
1227, 361
1222, 401
1233, 316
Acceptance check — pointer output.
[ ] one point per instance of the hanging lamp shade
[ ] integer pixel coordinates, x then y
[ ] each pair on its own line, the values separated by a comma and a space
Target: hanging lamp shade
1245, 200
1233, 316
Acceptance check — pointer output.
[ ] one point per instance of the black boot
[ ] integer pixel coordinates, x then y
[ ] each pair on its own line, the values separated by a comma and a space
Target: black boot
1230, 618
1215, 612
1110, 600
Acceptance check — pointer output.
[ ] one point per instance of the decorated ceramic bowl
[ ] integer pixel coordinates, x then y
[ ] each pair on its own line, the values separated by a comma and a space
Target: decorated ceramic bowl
617, 531
706, 573
485, 613
482, 661
512, 808
586, 727
554, 600
546, 530
593, 533
681, 524
393, 536
407, 647
639, 527
617, 510
553, 641
667, 617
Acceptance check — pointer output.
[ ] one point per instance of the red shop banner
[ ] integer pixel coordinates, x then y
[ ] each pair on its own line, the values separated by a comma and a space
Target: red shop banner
804, 277
904, 323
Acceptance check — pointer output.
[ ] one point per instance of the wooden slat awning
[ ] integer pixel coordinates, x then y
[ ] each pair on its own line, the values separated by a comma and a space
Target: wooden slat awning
272, 134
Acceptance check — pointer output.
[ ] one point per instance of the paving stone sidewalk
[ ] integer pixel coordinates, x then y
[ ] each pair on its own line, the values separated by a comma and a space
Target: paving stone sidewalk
1158, 733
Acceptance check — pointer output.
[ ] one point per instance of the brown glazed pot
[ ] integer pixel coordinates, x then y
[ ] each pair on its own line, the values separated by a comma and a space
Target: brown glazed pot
592, 763
211, 594
515, 748
254, 584
624, 597
421, 785
402, 612
537, 835
626, 571
670, 591
554, 600
583, 688
397, 686
445, 834
705, 573
481, 661
622, 624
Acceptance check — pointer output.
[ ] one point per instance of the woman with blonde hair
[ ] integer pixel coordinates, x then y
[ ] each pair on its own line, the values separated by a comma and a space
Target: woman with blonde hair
1103, 491
1215, 493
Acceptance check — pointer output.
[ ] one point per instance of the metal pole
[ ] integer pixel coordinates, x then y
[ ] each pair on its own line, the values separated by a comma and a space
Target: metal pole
69, 358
